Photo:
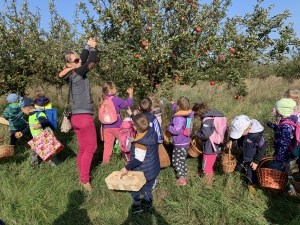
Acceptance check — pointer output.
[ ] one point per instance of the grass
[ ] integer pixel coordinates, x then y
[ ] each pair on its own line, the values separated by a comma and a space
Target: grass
48, 195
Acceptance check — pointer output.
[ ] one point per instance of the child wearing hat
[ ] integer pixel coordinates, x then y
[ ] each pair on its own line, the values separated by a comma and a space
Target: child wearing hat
36, 126
14, 115
284, 133
249, 135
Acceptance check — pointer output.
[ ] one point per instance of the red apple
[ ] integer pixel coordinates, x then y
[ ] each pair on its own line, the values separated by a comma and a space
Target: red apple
98, 8
148, 28
238, 97
146, 47
189, 1
220, 57
137, 55
212, 82
198, 29
195, 6
176, 79
144, 43
156, 85
180, 31
232, 50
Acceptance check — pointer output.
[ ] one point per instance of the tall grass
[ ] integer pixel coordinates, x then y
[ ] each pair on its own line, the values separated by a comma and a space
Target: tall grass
48, 195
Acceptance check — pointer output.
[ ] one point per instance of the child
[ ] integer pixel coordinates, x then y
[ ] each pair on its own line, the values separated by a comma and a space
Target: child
289, 94
36, 126
41, 101
156, 109
143, 157
210, 152
249, 135
283, 136
180, 142
14, 115
111, 131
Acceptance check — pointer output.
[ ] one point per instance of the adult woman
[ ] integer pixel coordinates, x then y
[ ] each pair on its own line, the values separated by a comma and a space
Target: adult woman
82, 106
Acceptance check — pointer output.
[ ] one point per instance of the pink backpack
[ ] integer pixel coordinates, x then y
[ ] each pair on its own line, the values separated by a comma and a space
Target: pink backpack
126, 134
220, 125
107, 112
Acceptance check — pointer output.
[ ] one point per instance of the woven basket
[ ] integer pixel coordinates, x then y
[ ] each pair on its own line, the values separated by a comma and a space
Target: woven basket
6, 151
195, 148
228, 162
164, 158
271, 179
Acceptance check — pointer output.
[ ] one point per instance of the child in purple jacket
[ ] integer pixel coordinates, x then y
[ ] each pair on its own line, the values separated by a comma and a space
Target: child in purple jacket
111, 131
181, 142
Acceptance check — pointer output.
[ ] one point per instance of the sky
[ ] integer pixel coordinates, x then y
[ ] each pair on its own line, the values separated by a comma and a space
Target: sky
66, 9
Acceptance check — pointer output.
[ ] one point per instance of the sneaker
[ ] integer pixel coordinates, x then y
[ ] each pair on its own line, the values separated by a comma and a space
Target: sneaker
87, 186
181, 181
155, 185
137, 208
252, 190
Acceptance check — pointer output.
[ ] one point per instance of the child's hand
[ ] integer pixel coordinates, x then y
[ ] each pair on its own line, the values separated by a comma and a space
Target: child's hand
129, 111
171, 101
229, 144
37, 126
253, 165
130, 91
124, 171
18, 134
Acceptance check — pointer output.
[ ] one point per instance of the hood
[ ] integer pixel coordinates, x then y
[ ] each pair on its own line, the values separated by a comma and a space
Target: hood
293, 118
188, 113
41, 101
147, 138
213, 113
256, 127
64, 72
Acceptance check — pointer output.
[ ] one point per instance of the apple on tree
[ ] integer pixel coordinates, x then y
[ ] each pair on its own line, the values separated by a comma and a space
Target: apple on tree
220, 57
198, 29
232, 50
148, 28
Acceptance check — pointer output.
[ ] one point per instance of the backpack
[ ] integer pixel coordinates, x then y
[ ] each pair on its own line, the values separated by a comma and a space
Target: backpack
51, 116
295, 146
187, 131
107, 112
126, 134
220, 125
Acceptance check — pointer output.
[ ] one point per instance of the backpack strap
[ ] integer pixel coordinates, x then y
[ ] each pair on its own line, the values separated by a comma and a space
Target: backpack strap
288, 122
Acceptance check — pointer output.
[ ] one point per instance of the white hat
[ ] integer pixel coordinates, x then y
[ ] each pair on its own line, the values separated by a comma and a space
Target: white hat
238, 125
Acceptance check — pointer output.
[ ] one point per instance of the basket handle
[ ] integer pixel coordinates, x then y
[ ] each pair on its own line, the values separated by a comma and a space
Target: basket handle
269, 158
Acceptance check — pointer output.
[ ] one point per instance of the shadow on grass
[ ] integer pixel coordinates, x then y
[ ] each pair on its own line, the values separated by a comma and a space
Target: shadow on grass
74, 214
146, 218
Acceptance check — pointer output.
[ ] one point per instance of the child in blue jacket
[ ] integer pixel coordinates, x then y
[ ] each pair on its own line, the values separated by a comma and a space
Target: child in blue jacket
143, 157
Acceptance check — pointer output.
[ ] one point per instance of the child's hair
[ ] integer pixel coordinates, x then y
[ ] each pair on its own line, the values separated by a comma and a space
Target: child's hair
145, 105
39, 93
200, 108
106, 86
141, 122
292, 93
153, 98
183, 103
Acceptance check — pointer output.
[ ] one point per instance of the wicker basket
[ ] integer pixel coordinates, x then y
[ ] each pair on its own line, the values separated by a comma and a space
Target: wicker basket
228, 162
133, 181
274, 180
195, 148
6, 151
164, 158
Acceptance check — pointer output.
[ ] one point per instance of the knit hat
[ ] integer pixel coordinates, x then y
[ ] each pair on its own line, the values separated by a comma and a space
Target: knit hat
285, 106
13, 98
26, 102
238, 125
41, 101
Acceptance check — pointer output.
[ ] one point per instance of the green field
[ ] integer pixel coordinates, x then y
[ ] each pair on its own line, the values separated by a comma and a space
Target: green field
48, 195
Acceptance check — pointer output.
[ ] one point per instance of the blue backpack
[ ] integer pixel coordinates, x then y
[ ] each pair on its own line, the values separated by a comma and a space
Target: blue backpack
51, 116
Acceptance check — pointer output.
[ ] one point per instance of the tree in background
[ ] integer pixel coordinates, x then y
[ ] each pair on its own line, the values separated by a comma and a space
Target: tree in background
151, 44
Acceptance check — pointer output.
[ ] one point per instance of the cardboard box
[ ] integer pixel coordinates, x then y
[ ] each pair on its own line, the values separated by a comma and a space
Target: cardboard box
133, 181
46, 145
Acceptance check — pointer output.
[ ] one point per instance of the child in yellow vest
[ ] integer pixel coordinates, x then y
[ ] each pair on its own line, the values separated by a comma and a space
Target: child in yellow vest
36, 126
41, 102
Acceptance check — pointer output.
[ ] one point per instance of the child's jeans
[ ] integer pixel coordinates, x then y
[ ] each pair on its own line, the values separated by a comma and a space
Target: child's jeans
208, 166
35, 159
250, 173
13, 139
85, 130
146, 191
109, 135
179, 161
